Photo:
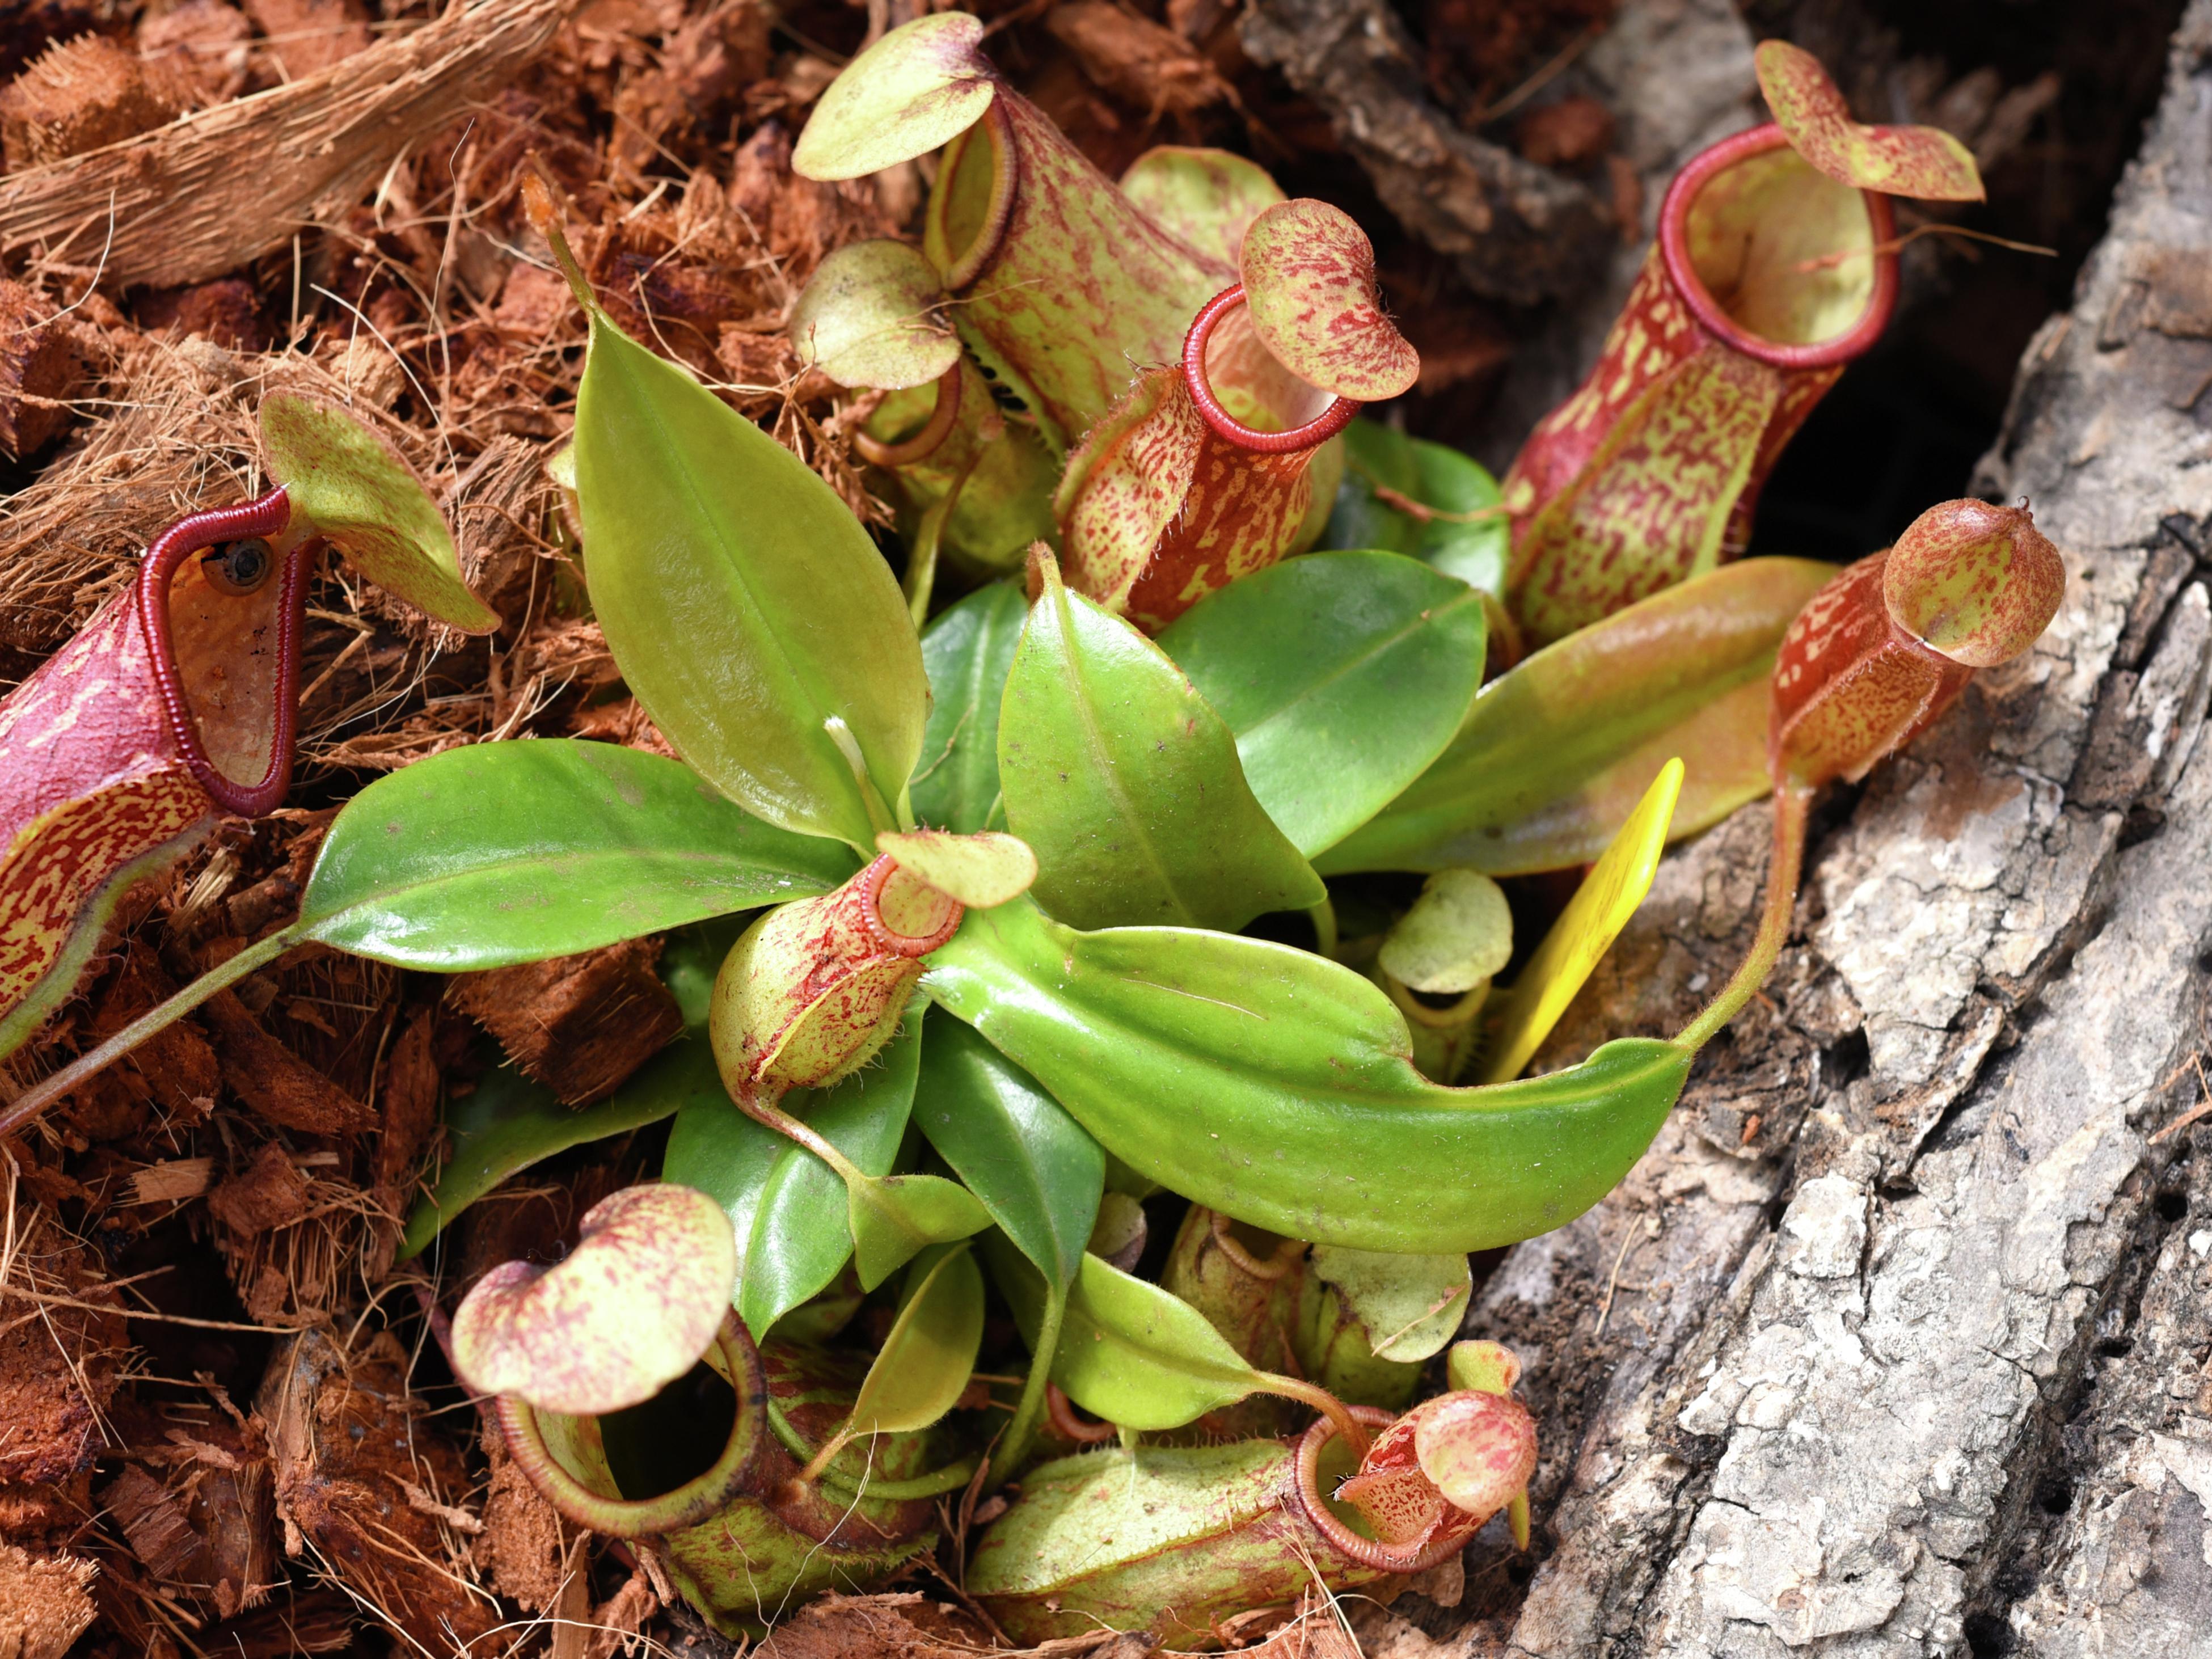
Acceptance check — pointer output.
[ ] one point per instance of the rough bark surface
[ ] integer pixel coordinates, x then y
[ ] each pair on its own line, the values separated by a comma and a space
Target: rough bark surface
1895, 1342
205, 194
1518, 231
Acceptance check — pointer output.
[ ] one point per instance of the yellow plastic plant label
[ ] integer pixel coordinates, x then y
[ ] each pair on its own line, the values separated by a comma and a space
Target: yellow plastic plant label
1586, 927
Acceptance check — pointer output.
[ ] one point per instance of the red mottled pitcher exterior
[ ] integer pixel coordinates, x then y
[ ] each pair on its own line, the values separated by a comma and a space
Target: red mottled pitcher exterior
1670, 321
103, 778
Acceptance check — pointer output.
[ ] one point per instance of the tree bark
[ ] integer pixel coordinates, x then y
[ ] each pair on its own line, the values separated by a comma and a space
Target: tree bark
1895, 1344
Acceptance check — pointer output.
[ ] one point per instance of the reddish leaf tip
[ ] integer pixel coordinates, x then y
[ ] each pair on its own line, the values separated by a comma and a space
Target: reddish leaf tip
1309, 280
1925, 162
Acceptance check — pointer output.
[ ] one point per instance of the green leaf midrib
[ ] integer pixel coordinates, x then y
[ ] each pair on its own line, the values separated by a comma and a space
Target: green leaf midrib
787, 666
310, 920
1353, 665
1109, 777
976, 696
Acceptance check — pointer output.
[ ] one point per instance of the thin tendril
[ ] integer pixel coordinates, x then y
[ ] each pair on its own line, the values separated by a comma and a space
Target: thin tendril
1791, 803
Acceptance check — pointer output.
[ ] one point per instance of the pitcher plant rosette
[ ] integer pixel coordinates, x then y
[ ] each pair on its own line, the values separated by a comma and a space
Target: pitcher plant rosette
962, 917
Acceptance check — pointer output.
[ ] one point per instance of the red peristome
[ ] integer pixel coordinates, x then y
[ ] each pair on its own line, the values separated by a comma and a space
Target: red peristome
1171, 497
1672, 316
102, 758
1850, 686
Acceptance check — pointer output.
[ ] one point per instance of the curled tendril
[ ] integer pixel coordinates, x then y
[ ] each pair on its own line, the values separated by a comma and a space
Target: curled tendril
1061, 1411
943, 415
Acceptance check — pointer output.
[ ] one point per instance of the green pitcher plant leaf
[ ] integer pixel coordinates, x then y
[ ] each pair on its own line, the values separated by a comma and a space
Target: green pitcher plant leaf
1139, 1357
1127, 782
968, 651
747, 608
361, 496
1530, 781
501, 853
508, 1122
894, 1218
929, 1353
1034, 1168
1586, 928
788, 1207
1277, 1087
1411, 1305
1037, 1173
1343, 674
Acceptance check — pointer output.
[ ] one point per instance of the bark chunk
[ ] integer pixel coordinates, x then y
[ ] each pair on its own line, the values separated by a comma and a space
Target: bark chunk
38, 361
578, 1025
80, 96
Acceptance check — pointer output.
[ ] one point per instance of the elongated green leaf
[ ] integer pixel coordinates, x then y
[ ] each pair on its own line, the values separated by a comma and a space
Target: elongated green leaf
1537, 778
508, 1123
894, 1218
923, 1367
968, 652
1126, 784
514, 852
1278, 1087
1343, 674
745, 604
1034, 1167
1135, 1355
788, 1207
